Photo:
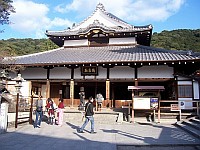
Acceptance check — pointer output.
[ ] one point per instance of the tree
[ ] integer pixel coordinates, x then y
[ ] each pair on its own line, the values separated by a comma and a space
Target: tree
5, 10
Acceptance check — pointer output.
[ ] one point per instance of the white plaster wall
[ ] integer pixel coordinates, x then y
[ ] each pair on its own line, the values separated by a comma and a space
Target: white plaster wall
122, 72
43, 91
60, 73
77, 73
183, 78
196, 90
34, 73
102, 73
130, 40
89, 77
184, 82
26, 89
83, 42
155, 72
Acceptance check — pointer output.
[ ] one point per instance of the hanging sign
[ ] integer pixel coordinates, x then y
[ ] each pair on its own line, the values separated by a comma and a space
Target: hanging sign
89, 70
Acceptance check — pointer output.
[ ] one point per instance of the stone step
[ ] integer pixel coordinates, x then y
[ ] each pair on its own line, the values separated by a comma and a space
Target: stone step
102, 118
195, 123
190, 126
195, 120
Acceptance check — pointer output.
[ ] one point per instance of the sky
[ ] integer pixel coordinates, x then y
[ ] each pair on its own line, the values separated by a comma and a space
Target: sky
34, 17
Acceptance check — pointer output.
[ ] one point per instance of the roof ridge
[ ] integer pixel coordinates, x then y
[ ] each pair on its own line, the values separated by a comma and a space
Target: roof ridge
101, 7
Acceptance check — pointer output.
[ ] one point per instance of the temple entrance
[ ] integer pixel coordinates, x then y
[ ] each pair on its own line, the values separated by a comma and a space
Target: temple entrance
119, 95
91, 88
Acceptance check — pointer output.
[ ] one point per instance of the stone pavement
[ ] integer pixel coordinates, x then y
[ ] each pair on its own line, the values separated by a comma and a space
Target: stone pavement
125, 136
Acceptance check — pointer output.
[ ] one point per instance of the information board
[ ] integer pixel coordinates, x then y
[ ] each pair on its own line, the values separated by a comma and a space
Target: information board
141, 103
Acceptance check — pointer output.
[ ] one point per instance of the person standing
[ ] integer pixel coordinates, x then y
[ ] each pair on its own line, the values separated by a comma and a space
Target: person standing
60, 112
82, 98
39, 112
99, 99
50, 108
89, 112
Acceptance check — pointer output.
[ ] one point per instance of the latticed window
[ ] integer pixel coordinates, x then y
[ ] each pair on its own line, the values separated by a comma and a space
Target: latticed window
98, 38
185, 91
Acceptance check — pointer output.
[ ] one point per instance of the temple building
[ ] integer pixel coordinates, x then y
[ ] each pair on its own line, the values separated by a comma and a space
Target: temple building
106, 54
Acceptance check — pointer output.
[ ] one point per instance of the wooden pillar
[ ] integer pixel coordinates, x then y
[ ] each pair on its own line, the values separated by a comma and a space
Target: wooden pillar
72, 87
48, 82
48, 89
113, 96
133, 106
107, 92
159, 98
16, 116
136, 76
108, 87
31, 111
158, 111
72, 92
136, 82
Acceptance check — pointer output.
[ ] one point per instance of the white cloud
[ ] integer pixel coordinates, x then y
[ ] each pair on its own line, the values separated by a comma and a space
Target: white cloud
31, 18
128, 10
60, 22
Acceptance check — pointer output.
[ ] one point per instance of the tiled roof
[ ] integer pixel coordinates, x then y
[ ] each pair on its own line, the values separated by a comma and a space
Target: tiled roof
106, 54
100, 19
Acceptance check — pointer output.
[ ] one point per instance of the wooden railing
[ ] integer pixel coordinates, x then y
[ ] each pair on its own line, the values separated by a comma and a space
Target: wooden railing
165, 105
193, 107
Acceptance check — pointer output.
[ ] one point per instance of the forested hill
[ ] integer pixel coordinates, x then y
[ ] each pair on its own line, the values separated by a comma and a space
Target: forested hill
13, 47
182, 39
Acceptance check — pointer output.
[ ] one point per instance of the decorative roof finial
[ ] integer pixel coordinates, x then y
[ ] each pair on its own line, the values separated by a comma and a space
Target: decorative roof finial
100, 6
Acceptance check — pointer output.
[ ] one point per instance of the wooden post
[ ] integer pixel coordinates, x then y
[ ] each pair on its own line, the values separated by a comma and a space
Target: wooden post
48, 89
129, 111
31, 111
16, 115
107, 91
72, 92
154, 115
158, 111
180, 114
159, 98
197, 108
133, 106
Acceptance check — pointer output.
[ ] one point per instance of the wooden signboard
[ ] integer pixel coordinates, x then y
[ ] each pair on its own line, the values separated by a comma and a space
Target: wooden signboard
175, 107
89, 70
141, 103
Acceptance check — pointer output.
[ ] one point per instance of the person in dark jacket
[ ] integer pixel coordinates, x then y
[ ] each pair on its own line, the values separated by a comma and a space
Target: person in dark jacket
89, 112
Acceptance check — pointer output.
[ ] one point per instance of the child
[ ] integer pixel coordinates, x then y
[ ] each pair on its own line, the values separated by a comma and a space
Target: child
50, 109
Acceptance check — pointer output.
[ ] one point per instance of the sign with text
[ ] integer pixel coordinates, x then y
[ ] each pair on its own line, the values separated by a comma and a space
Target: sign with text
89, 70
141, 103
107, 89
175, 107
